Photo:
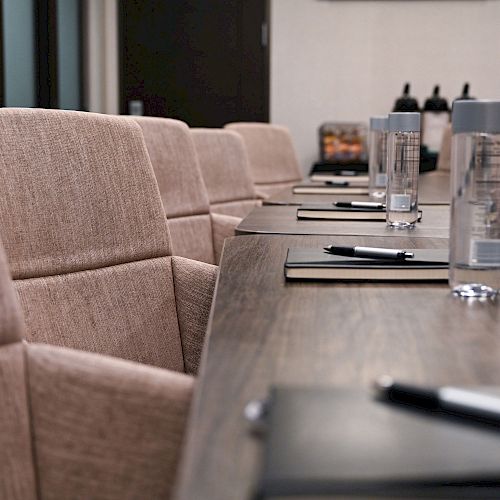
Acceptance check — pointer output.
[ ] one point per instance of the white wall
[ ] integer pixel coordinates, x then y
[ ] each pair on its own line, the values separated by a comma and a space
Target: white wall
347, 60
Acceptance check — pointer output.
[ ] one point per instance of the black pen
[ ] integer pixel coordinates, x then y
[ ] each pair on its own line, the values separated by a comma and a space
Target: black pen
360, 204
336, 183
370, 252
453, 400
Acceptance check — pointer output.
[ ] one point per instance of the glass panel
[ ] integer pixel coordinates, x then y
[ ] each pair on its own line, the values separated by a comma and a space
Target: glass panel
19, 52
68, 39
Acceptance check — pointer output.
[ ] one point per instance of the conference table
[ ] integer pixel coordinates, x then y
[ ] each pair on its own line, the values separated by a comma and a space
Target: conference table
433, 189
283, 220
265, 331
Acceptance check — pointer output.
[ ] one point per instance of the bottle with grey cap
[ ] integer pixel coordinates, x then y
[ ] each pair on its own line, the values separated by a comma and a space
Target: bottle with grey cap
403, 160
475, 210
377, 160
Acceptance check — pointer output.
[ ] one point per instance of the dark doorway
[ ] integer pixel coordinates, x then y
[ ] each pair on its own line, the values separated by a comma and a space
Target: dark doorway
46, 43
206, 63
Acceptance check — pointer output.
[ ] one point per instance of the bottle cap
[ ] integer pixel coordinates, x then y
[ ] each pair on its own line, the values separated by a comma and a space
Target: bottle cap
404, 122
406, 103
379, 123
436, 102
481, 115
465, 94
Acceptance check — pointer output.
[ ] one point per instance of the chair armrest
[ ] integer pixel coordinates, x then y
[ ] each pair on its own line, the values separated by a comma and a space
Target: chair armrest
104, 427
261, 195
223, 226
194, 284
17, 473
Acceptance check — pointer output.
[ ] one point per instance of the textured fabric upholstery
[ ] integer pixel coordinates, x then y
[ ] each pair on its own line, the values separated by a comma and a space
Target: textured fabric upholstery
60, 173
238, 208
444, 158
183, 193
126, 310
194, 288
268, 190
11, 324
226, 172
271, 154
79, 425
86, 235
192, 237
264, 195
223, 227
104, 428
17, 478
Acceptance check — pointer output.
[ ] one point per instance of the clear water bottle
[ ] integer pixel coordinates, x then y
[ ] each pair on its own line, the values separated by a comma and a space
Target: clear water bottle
403, 161
377, 160
475, 209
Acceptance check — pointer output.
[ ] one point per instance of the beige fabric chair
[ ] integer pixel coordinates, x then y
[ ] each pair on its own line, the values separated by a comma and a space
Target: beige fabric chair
88, 245
272, 157
192, 228
17, 476
79, 425
444, 158
226, 172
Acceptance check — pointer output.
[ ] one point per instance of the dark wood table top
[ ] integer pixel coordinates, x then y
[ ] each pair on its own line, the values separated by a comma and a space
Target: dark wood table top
273, 219
266, 331
434, 189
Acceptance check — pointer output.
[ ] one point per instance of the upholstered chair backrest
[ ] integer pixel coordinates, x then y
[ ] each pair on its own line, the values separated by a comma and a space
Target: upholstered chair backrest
183, 193
80, 425
17, 478
273, 160
226, 172
11, 322
86, 236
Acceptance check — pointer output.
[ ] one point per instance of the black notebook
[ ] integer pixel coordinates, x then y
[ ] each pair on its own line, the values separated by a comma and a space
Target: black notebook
329, 189
324, 441
353, 179
332, 212
315, 263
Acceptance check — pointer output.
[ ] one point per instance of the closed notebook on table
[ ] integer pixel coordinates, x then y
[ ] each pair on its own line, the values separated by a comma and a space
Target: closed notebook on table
329, 189
358, 167
331, 212
316, 264
354, 180
326, 442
